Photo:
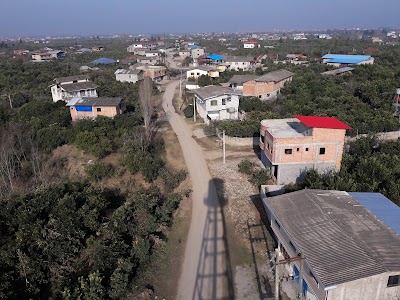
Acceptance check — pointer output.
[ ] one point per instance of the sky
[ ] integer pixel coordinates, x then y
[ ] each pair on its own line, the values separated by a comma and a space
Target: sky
104, 17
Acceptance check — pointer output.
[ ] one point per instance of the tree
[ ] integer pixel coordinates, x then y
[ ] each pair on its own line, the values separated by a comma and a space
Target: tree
148, 108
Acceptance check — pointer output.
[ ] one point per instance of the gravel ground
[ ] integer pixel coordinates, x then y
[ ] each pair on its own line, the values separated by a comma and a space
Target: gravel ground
254, 281
237, 190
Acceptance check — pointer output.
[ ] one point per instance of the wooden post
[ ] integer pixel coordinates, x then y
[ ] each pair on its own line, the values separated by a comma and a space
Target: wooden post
223, 145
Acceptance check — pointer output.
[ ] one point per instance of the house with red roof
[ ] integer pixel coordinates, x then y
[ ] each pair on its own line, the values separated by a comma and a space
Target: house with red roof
291, 147
250, 44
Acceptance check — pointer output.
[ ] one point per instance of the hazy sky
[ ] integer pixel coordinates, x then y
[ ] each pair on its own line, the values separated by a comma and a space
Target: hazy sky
92, 17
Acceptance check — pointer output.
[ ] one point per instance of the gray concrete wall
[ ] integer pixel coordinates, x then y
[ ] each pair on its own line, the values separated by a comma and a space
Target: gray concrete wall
240, 142
370, 288
294, 173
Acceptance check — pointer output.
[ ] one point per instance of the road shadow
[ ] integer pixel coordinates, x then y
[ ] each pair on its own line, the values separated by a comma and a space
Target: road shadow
214, 274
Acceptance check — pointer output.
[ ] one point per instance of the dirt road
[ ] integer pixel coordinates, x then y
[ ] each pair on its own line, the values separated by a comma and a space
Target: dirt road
205, 271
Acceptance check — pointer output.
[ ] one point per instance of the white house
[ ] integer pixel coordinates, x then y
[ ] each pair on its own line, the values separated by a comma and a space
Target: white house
237, 63
133, 76
202, 70
70, 87
217, 103
191, 85
152, 53
250, 44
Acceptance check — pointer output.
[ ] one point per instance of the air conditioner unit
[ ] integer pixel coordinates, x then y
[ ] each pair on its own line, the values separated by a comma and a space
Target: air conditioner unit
231, 109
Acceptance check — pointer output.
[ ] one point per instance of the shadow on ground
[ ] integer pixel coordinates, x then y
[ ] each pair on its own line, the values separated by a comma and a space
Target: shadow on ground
214, 273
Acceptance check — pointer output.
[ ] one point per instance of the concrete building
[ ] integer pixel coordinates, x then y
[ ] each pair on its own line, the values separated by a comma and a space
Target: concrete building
290, 147
217, 103
156, 73
196, 52
66, 88
90, 108
202, 70
237, 81
342, 60
237, 63
133, 76
184, 53
335, 245
148, 60
267, 86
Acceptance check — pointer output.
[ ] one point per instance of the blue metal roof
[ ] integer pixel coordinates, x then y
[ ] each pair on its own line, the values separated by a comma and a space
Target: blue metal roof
384, 209
215, 56
104, 60
345, 59
194, 47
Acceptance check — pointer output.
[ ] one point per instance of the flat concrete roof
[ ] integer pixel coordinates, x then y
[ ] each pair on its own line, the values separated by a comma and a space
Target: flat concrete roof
285, 128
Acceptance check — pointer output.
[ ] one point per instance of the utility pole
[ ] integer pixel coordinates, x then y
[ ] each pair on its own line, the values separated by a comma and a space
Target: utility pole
194, 109
276, 274
223, 146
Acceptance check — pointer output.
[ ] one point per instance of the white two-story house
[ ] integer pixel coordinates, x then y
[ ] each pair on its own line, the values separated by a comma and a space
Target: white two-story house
237, 63
217, 103
124, 75
70, 87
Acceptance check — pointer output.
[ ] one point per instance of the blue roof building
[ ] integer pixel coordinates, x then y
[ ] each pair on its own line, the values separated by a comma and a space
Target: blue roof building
104, 61
384, 209
215, 57
343, 59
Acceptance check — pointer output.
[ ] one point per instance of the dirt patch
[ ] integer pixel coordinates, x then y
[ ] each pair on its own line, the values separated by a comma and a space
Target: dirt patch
75, 160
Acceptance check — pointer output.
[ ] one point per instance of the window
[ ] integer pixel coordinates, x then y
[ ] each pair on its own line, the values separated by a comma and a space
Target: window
322, 151
306, 149
394, 280
228, 99
262, 139
298, 149
277, 224
192, 74
288, 151
214, 103
267, 145
259, 96
98, 109
223, 101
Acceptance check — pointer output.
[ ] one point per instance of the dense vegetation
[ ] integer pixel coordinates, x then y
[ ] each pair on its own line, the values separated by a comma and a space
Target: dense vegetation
73, 241
78, 237
369, 166
362, 99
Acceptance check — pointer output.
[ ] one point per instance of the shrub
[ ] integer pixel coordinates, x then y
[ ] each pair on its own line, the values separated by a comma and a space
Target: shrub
246, 166
189, 111
246, 128
98, 170
260, 177
172, 179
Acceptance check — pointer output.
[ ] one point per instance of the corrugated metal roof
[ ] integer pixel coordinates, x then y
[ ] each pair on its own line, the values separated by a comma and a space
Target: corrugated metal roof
322, 122
212, 91
345, 59
384, 209
104, 60
97, 101
341, 240
215, 56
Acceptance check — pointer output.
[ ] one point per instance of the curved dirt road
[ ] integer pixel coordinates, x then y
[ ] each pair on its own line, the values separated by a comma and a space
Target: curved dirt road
205, 271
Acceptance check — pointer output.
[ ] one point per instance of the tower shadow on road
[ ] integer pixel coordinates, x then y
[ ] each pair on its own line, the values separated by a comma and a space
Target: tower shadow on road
214, 274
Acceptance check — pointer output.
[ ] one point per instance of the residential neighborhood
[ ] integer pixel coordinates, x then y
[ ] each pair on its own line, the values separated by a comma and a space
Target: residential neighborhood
185, 159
